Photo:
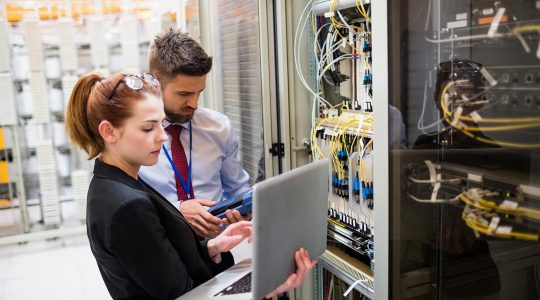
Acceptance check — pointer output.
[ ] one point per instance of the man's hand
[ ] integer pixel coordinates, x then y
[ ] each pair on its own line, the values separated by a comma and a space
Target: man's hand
233, 235
203, 222
234, 216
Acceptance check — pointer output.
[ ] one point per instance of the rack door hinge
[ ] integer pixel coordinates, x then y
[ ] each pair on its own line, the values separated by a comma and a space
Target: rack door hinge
278, 149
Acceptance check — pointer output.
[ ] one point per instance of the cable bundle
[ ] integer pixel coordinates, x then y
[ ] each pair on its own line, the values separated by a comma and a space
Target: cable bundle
456, 119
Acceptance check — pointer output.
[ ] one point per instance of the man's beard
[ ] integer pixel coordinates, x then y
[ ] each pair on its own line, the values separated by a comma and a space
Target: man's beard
177, 118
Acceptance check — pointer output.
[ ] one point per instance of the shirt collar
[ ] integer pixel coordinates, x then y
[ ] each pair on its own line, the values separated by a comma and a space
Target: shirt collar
166, 124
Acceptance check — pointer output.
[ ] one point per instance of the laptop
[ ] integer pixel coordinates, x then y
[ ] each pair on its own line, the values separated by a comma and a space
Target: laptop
289, 212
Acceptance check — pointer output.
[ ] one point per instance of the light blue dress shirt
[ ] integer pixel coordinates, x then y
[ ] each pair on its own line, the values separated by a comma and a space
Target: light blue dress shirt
217, 171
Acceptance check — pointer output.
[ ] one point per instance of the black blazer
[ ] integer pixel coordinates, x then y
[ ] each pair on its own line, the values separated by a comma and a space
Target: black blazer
143, 246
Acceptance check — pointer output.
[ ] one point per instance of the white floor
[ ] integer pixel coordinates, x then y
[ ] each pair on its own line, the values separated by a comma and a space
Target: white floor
57, 269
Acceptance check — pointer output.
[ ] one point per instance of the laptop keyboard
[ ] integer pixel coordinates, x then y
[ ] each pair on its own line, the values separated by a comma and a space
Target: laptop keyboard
242, 285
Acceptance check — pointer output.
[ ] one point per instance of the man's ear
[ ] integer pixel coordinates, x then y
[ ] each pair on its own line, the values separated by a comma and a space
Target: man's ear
108, 133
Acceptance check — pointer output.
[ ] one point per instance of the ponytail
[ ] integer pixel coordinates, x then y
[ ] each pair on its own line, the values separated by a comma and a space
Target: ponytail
78, 126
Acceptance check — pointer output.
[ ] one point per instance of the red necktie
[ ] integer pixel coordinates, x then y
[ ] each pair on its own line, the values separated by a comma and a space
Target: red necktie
180, 161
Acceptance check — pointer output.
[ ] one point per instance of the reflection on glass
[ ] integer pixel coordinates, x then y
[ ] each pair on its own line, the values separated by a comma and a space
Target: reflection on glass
465, 186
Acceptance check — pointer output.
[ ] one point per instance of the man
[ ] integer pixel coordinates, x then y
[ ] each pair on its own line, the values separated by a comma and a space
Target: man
200, 163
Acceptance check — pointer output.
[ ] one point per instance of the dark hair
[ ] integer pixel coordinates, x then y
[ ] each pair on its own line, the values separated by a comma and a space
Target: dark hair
174, 53
89, 105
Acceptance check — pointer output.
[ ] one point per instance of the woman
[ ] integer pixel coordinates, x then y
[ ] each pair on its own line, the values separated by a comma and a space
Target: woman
143, 246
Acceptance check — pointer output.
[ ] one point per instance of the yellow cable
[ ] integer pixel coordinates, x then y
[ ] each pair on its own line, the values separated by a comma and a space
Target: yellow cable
502, 128
362, 11
446, 115
525, 28
482, 120
338, 25
490, 205
484, 229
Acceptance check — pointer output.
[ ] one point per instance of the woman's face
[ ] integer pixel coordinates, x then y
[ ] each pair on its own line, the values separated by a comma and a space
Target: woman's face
141, 136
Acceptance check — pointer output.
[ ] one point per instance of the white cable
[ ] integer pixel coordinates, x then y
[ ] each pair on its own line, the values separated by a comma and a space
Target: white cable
297, 40
353, 285
427, 15
434, 200
467, 38
434, 181
420, 124
345, 23
345, 56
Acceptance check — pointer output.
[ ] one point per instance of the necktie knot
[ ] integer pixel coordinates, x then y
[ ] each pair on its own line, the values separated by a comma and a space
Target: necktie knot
174, 130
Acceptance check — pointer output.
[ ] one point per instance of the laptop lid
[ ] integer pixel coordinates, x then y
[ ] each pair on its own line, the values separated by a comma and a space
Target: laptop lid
289, 212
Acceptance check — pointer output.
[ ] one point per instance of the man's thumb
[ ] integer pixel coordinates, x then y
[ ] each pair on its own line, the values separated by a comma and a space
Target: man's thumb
205, 202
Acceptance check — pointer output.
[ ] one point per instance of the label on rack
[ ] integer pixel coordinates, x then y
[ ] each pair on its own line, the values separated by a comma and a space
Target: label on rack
488, 11
493, 224
457, 115
456, 24
475, 116
530, 190
330, 132
473, 194
504, 230
507, 204
474, 177
462, 16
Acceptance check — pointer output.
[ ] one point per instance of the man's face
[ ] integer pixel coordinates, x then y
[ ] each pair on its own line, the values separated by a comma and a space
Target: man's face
181, 95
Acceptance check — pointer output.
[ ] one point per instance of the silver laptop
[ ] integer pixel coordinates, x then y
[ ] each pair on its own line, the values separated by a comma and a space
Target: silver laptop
289, 212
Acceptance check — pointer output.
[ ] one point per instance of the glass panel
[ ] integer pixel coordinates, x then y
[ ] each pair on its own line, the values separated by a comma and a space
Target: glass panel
464, 157
238, 57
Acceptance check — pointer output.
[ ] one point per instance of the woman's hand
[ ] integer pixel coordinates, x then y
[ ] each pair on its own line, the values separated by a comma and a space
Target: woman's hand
304, 265
233, 235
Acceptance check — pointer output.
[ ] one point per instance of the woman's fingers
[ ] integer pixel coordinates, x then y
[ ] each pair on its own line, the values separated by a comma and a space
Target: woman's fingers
303, 266
287, 285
